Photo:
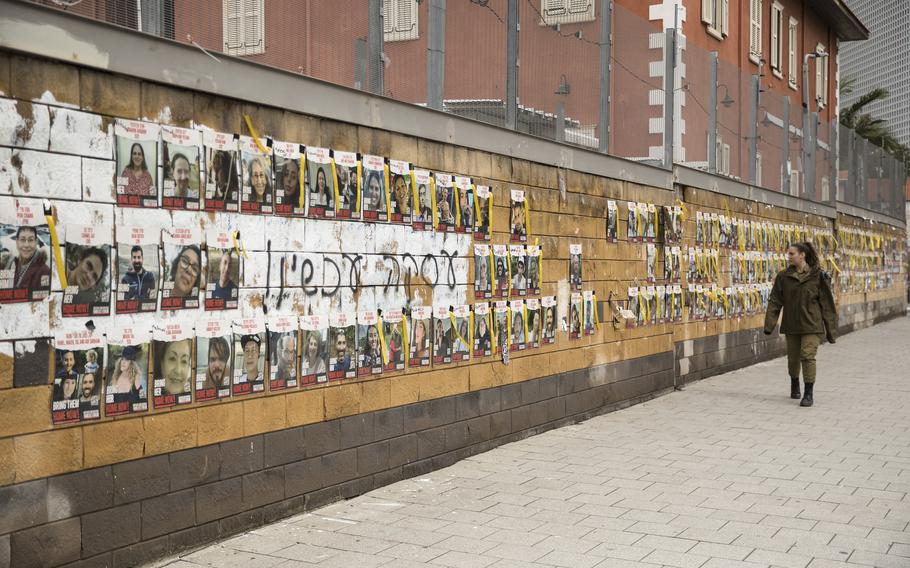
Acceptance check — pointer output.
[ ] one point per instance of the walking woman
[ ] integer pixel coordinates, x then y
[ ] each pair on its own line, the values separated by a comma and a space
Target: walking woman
803, 291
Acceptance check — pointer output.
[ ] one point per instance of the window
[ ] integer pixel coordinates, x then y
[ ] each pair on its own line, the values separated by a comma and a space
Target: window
777, 38
794, 183
716, 13
793, 58
755, 15
399, 20
821, 76
758, 169
244, 27
556, 12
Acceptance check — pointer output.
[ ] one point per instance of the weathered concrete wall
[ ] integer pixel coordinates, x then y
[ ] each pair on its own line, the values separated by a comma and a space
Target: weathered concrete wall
170, 478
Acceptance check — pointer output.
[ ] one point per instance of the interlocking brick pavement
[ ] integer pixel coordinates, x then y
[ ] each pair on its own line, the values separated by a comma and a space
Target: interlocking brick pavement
729, 473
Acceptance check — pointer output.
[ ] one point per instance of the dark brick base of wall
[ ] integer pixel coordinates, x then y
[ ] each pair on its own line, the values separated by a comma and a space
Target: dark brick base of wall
859, 316
134, 512
704, 357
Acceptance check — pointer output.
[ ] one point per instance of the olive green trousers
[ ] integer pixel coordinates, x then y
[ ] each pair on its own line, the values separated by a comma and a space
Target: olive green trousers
801, 350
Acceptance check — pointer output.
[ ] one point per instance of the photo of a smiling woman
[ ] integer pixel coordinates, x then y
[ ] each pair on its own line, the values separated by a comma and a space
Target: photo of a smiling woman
183, 272
86, 272
173, 372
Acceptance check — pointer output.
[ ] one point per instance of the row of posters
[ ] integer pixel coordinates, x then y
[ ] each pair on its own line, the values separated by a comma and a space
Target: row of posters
140, 278
130, 369
214, 171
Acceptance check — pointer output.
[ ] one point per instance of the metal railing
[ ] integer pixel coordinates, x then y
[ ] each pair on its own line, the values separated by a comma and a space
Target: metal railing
589, 73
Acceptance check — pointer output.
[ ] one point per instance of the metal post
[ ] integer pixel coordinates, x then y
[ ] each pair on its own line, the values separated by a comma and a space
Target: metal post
811, 141
712, 112
852, 169
834, 161
436, 53
753, 130
785, 166
512, 65
606, 53
561, 122
360, 63
806, 141
669, 94
374, 47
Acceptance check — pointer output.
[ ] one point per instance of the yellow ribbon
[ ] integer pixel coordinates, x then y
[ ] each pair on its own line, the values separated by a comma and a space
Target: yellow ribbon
415, 206
254, 134
683, 211
388, 192
238, 246
335, 184
476, 206
55, 243
301, 176
356, 207
457, 199
490, 214
404, 337
433, 199
455, 330
385, 356
527, 218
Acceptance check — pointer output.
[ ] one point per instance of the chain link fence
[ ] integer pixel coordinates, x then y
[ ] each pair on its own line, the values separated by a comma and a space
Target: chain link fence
590, 73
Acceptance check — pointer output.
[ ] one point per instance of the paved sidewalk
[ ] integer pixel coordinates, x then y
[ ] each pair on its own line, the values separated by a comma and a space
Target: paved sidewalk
728, 473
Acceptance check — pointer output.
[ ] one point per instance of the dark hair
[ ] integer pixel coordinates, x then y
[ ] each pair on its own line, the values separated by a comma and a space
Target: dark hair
137, 248
142, 150
176, 261
807, 249
220, 347
180, 156
28, 228
99, 252
159, 348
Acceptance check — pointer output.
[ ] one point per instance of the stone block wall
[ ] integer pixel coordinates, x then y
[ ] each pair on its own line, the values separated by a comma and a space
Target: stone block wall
121, 491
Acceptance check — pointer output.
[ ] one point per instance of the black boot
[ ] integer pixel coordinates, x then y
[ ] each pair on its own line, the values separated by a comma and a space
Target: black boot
807, 399
794, 388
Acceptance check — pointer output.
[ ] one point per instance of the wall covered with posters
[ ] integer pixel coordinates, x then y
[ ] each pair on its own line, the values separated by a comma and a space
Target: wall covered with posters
213, 314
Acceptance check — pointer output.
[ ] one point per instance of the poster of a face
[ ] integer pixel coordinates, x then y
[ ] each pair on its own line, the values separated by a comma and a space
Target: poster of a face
676, 303
342, 346
651, 261
180, 151
213, 359
182, 273
650, 216
400, 191
501, 270
589, 311
575, 280
78, 376
464, 189
369, 344
424, 196
249, 356
517, 271
483, 287
575, 307
442, 335
375, 201
634, 234
137, 163
661, 305
256, 194
532, 316
223, 271
88, 253
612, 221
290, 193
483, 325
314, 359
549, 324
419, 343
445, 203
137, 270
126, 380
533, 269
393, 338
282, 352
501, 325
320, 183
25, 270
461, 333
347, 184
222, 171
517, 326
483, 206
518, 216
172, 349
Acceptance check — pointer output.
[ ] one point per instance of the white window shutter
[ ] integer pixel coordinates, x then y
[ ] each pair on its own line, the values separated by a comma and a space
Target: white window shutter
775, 36
755, 17
253, 26
792, 62
726, 159
758, 167
406, 19
707, 12
819, 65
725, 17
579, 6
233, 26
388, 16
554, 8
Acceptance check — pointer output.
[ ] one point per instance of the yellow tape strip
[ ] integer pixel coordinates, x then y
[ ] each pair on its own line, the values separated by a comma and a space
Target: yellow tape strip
385, 356
335, 185
301, 175
388, 193
58, 254
596, 317
415, 204
404, 337
456, 332
255, 135
433, 200
356, 208
238, 246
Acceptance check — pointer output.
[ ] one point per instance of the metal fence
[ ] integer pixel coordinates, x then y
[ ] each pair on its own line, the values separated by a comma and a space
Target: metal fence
590, 73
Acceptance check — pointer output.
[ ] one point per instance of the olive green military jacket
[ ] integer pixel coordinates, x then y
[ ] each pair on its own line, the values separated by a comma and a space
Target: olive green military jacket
807, 301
